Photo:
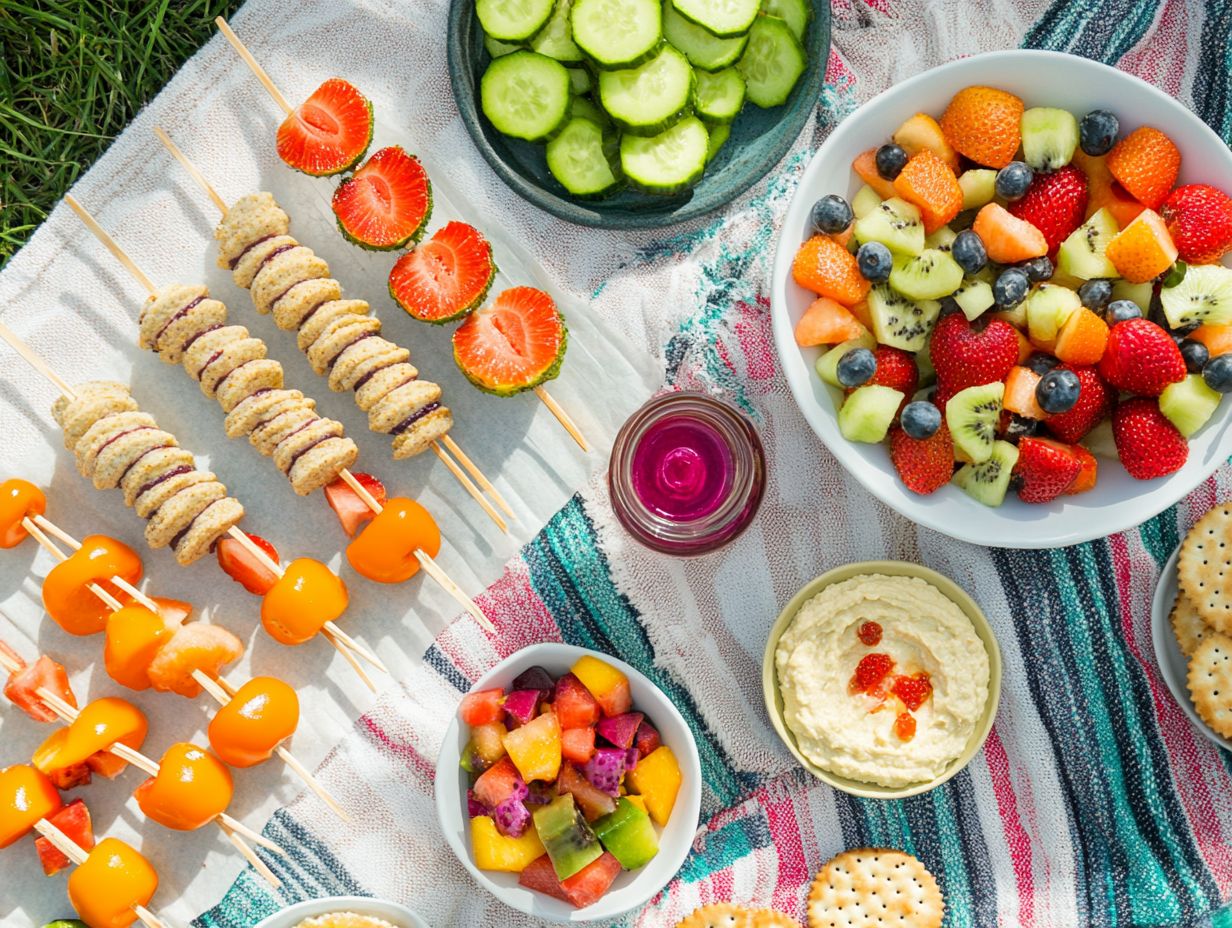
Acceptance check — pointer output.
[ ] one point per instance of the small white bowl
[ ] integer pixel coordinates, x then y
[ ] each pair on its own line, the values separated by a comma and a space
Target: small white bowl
1173, 664
632, 889
392, 912
1041, 78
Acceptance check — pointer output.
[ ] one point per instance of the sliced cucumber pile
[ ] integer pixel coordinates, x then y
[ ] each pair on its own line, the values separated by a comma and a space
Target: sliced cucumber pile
636, 91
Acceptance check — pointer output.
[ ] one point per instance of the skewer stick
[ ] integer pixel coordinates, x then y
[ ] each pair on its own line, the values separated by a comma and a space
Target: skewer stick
74, 852
469, 486
117, 252
222, 691
35, 361
449, 442
562, 417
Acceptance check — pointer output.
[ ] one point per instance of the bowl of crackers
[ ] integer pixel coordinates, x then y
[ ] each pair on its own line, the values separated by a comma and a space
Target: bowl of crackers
1191, 625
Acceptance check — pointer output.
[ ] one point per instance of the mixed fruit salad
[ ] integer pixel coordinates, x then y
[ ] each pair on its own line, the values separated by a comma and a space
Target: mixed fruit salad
638, 90
568, 780
1015, 292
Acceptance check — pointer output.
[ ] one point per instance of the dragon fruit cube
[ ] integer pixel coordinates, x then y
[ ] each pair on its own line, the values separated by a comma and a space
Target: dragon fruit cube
605, 770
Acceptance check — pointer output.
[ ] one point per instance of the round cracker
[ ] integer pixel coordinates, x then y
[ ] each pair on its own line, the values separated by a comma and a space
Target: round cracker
281, 272
1210, 682
875, 888
337, 337
770, 918
1188, 625
247, 379
1204, 568
216, 520
718, 915
420, 436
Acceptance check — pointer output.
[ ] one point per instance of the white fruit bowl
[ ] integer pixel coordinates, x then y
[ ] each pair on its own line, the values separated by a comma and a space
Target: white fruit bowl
1118, 502
632, 889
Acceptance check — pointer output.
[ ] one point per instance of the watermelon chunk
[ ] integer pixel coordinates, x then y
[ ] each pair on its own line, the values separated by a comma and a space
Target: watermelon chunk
498, 783
647, 739
586, 887
577, 745
573, 704
74, 821
620, 730
482, 707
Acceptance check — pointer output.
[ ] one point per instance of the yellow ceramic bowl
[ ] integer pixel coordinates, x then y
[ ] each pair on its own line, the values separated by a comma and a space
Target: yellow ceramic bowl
949, 589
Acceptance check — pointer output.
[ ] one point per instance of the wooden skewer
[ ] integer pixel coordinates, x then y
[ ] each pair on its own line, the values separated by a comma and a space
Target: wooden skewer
268, 83
32, 358
235, 831
448, 441
74, 852
222, 693
359, 489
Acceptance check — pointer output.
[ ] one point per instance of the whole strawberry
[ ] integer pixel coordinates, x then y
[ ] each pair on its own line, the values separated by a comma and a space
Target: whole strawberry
924, 465
1056, 204
1200, 220
966, 356
1148, 444
1045, 469
1141, 358
1095, 400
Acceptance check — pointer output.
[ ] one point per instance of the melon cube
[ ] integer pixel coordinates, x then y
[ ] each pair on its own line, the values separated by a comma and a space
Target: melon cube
535, 748
607, 684
494, 851
657, 780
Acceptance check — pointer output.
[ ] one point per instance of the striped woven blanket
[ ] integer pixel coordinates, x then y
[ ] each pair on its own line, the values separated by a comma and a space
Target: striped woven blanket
1095, 802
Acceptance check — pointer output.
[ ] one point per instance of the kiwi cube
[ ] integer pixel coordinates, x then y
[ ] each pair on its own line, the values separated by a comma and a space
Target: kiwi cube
1049, 137
973, 297
900, 322
930, 275
979, 186
868, 413
1204, 296
1189, 404
896, 224
1139, 294
1082, 253
865, 201
1048, 308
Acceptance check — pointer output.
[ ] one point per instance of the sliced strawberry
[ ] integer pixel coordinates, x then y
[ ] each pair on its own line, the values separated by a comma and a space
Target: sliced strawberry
242, 566
1045, 469
74, 823
513, 344
386, 203
23, 686
445, 277
352, 511
329, 132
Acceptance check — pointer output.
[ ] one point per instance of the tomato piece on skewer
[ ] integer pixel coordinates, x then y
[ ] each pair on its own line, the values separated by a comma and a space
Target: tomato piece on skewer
23, 685
74, 821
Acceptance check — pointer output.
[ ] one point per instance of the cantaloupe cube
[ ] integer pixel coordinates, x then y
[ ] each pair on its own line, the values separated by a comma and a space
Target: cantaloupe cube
535, 748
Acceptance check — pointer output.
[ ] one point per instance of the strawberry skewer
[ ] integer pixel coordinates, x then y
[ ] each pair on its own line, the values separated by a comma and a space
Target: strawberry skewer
267, 82
423, 557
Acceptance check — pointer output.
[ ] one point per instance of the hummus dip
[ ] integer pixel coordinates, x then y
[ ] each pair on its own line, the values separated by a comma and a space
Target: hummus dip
865, 732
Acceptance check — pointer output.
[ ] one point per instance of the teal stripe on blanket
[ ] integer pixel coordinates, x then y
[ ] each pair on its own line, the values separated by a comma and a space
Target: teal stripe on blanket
570, 574
1104, 31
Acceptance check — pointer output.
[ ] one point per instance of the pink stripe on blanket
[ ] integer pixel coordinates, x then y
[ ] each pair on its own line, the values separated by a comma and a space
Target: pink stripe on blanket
402, 750
1016, 837
1156, 60
793, 866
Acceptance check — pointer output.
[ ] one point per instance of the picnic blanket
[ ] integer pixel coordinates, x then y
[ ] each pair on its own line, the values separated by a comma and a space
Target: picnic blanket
1094, 802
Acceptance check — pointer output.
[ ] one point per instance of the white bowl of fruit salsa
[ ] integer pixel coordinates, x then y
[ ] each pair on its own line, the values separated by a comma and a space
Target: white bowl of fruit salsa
573, 794
1000, 298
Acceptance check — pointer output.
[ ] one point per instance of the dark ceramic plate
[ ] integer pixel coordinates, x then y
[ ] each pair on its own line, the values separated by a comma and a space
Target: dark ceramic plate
759, 139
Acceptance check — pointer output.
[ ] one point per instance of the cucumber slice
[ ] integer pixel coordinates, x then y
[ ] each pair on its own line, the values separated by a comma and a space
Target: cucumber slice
525, 95
718, 96
796, 13
647, 99
578, 160
668, 162
496, 48
556, 38
579, 80
703, 48
718, 135
617, 33
772, 63
725, 18
585, 108
513, 20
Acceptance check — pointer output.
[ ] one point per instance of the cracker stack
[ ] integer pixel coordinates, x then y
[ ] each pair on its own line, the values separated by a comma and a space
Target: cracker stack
1202, 616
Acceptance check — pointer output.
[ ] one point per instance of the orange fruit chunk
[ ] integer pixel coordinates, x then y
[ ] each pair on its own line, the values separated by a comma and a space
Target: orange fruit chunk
1087, 476
1019, 397
193, 647
921, 133
865, 166
1082, 339
1143, 249
828, 269
18, 500
1146, 162
1104, 191
984, 123
387, 550
1217, 338
113, 879
928, 183
827, 323
1008, 239
191, 788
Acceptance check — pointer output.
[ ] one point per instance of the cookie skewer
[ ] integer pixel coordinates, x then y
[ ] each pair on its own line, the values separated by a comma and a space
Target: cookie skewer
330, 468
213, 686
191, 542
267, 82
385, 384
235, 831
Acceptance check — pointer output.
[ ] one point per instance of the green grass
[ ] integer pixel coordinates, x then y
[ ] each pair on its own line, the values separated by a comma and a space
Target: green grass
74, 73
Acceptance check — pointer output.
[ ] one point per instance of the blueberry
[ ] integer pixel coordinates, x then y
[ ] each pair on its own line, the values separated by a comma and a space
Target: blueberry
831, 214
1097, 132
1095, 294
1013, 180
968, 250
1038, 269
1122, 311
856, 367
1218, 373
1183, 330
1020, 427
921, 419
1011, 288
1042, 363
1195, 354
875, 261
1057, 391
891, 159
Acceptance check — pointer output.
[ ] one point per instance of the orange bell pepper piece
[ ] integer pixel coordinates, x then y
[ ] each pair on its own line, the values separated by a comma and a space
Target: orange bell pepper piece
386, 551
259, 717
18, 499
67, 596
192, 788
26, 795
306, 596
113, 879
98, 726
